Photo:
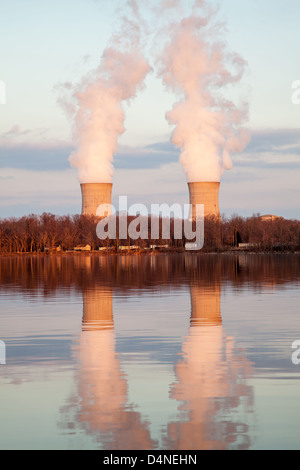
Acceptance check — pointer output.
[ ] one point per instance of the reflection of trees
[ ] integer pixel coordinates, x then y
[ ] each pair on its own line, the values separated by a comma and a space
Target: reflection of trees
47, 274
211, 382
99, 405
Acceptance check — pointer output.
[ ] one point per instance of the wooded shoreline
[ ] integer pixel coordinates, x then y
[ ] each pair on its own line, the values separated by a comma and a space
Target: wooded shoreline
48, 234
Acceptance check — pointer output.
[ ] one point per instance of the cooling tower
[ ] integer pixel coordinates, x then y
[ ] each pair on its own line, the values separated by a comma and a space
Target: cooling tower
206, 194
95, 195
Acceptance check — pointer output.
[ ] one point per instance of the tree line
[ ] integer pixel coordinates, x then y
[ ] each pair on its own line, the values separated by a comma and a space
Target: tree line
48, 233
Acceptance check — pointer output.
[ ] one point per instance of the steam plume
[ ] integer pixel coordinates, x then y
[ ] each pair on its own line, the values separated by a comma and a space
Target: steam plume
96, 102
196, 64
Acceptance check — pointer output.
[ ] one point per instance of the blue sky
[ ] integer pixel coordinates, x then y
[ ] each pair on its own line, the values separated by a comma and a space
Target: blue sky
43, 44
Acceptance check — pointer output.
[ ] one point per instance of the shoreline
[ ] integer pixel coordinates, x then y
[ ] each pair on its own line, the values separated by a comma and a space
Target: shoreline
147, 253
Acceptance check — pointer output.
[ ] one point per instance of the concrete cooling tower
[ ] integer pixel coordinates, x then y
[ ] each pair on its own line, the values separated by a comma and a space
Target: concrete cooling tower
206, 194
95, 195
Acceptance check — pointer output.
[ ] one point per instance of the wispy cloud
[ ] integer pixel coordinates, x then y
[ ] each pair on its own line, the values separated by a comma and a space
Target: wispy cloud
274, 140
27, 149
35, 157
36, 176
18, 136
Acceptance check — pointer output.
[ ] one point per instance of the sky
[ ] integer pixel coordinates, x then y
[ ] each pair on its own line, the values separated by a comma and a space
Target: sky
45, 44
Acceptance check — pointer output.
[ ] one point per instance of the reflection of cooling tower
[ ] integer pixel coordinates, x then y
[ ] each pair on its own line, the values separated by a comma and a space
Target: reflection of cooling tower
98, 309
206, 305
102, 409
206, 194
95, 195
211, 382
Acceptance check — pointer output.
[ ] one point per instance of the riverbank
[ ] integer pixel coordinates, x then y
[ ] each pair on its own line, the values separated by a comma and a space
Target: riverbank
50, 233
151, 253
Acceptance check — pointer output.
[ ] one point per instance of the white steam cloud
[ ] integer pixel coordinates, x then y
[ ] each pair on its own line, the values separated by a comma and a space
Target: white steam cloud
193, 62
96, 103
196, 65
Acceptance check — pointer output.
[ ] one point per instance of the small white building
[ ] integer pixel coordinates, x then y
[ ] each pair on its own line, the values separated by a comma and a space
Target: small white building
83, 248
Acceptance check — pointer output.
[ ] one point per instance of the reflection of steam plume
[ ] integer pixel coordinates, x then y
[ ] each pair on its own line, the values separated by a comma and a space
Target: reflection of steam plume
211, 381
197, 65
97, 104
103, 410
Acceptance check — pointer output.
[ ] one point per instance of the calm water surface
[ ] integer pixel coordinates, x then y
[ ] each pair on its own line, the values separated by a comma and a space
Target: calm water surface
168, 352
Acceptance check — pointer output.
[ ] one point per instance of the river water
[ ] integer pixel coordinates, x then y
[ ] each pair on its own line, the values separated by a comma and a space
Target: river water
152, 352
